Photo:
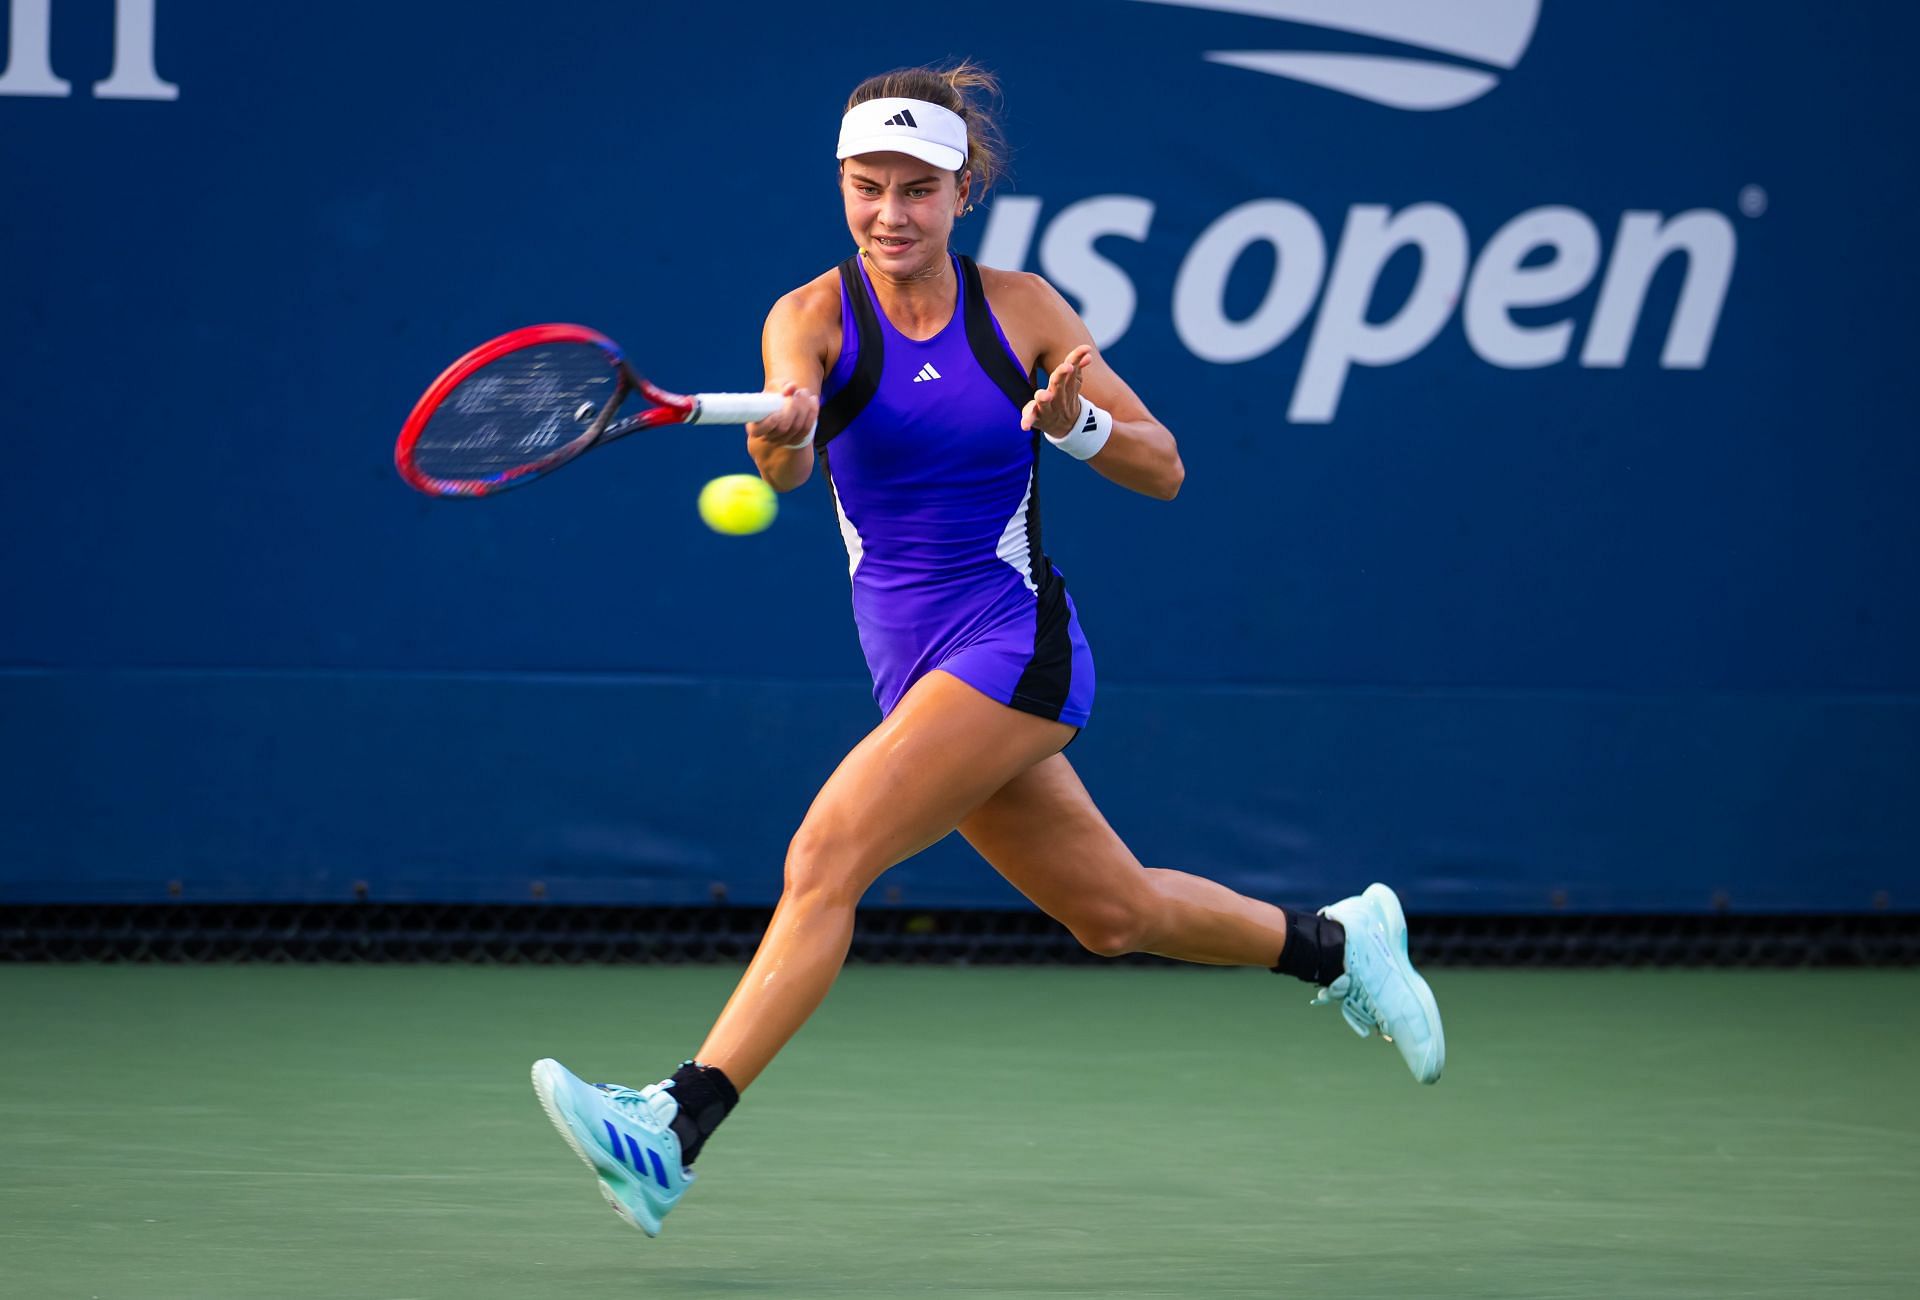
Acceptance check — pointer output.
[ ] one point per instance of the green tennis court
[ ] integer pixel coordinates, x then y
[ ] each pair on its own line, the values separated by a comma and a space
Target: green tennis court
369, 1132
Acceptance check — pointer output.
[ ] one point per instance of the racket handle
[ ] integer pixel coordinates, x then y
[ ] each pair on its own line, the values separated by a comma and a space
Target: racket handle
733, 408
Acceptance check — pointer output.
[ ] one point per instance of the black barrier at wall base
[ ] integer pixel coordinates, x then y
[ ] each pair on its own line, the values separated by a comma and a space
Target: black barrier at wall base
569, 935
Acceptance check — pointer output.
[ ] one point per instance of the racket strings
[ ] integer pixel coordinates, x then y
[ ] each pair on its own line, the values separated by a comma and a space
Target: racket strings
516, 412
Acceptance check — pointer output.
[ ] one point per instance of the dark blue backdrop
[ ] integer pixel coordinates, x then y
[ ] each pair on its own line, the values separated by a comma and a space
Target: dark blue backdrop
1626, 629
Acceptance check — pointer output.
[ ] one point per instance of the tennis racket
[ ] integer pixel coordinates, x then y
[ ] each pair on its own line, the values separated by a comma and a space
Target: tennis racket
520, 406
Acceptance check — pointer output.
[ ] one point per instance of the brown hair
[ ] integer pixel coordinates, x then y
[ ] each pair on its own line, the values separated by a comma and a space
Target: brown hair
965, 88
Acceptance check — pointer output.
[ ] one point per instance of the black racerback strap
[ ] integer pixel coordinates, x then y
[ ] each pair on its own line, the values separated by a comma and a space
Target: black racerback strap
1044, 684
845, 406
985, 342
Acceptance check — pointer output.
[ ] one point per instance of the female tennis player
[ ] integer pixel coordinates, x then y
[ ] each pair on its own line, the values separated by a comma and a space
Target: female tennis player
905, 377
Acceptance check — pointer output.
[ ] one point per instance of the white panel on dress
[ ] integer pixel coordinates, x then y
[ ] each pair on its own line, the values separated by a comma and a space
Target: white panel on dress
1016, 548
848, 533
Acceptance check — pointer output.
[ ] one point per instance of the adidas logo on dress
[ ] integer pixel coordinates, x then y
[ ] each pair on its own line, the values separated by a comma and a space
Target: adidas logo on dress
926, 372
902, 118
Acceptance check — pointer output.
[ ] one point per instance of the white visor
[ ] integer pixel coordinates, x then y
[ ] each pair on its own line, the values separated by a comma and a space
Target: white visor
911, 126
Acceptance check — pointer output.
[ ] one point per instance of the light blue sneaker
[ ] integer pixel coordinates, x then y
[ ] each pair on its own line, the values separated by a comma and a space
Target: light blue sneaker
1381, 990
624, 1135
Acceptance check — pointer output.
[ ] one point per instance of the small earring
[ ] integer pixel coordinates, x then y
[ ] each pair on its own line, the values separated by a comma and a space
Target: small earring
967, 209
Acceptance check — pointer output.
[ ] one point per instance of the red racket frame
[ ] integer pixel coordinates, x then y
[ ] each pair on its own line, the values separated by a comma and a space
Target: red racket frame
668, 408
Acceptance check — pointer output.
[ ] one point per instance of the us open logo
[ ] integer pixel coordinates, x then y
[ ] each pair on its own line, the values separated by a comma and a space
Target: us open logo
1493, 34
1325, 272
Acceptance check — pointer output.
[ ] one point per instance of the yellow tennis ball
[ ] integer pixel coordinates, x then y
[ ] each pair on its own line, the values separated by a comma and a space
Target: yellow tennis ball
738, 504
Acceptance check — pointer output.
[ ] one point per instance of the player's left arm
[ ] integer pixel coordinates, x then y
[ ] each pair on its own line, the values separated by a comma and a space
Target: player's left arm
1141, 453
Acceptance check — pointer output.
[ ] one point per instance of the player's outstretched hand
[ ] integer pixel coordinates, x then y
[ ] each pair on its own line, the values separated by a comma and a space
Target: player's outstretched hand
1055, 408
793, 423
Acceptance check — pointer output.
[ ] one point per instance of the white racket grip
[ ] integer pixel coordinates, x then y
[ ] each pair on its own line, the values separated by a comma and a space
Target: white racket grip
733, 408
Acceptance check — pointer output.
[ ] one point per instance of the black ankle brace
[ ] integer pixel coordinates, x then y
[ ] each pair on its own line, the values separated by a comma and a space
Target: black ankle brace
705, 1096
1316, 949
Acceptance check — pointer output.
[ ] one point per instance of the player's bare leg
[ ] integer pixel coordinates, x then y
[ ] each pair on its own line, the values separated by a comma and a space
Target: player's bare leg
1044, 834
942, 751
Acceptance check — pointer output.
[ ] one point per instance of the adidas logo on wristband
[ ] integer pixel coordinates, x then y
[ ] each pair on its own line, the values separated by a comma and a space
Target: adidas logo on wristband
1090, 434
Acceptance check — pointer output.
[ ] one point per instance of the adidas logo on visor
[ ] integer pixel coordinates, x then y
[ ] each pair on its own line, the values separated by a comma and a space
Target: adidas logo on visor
902, 118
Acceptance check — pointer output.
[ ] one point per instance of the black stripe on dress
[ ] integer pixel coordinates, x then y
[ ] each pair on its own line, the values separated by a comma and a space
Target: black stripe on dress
844, 407
1048, 676
985, 342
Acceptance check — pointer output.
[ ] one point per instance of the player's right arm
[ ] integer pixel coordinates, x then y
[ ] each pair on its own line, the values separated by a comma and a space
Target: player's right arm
794, 345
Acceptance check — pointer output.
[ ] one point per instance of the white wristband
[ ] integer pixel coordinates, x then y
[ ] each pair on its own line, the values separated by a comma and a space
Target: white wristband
1091, 429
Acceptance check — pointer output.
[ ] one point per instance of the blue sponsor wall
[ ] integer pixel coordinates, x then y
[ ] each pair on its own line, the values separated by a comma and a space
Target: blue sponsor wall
1543, 375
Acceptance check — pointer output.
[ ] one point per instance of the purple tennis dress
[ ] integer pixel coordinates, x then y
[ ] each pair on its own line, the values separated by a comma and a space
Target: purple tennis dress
938, 491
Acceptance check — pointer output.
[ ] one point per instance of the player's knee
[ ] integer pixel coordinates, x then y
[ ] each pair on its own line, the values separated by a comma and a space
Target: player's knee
824, 868
1109, 927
